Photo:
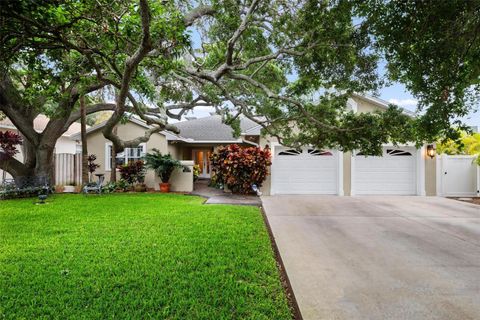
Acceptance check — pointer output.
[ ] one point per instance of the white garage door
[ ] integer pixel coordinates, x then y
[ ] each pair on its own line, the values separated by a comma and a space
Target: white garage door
394, 173
306, 171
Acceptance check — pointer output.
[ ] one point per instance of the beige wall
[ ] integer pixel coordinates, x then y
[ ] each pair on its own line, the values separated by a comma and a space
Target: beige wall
180, 181
365, 106
430, 176
97, 145
347, 173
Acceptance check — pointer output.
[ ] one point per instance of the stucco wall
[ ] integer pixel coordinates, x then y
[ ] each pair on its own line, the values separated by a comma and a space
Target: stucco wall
365, 106
97, 145
181, 180
347, 173
430, 176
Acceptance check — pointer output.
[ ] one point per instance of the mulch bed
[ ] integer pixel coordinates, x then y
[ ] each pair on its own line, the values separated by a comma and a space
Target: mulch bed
474, 200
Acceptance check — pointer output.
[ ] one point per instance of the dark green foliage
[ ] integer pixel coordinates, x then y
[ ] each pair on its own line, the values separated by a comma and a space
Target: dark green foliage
163, 165
433, 47
136, 256
133, 172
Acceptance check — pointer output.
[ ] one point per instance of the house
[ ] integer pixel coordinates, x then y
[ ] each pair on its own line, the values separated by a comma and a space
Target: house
402, 170
196, 142
65, 145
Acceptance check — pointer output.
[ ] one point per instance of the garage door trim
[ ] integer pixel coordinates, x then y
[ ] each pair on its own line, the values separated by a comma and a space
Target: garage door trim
419, 169
339, 169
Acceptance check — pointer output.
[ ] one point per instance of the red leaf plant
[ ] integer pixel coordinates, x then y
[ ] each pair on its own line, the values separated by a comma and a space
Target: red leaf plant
240, 168
8, 143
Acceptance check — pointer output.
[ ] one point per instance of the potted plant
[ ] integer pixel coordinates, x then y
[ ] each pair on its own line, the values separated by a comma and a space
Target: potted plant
163, 165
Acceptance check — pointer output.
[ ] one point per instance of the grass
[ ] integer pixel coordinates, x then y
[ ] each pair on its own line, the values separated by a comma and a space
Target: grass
136, 256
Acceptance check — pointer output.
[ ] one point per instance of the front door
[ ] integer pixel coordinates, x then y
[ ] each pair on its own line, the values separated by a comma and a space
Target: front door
202, 159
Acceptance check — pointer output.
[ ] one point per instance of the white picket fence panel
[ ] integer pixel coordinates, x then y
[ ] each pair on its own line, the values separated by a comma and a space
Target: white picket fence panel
457, 176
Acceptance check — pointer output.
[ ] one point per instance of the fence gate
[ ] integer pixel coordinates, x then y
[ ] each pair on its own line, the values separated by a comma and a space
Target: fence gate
458, 176
68, 169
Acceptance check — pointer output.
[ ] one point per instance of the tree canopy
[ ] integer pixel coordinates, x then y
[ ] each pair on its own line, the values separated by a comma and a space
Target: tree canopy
288, 65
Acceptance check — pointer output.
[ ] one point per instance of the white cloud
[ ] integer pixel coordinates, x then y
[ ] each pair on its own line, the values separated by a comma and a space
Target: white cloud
404, 102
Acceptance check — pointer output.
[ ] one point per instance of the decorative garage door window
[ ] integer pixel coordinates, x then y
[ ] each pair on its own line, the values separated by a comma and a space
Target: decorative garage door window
315, 152
390, 152
311, 152
290, 152
398, 152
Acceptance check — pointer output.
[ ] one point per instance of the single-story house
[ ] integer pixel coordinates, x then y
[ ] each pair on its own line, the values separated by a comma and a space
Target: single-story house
402, 170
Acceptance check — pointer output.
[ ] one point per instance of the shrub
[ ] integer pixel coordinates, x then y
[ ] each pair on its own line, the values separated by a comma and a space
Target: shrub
133, 172
196, 172
8, 143
240, 168
92, 166
163, 165
110, 187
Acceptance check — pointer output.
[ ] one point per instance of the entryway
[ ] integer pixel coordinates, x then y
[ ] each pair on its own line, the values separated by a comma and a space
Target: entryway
201, 157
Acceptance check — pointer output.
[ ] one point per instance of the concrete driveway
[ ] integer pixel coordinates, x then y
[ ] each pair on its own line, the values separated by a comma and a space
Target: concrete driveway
379, 257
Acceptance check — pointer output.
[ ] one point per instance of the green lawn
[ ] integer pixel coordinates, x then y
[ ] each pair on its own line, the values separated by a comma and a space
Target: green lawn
136, 256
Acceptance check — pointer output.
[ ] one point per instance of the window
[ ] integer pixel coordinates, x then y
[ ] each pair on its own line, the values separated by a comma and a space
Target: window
128, 155
316, 152
396, 152
289, 152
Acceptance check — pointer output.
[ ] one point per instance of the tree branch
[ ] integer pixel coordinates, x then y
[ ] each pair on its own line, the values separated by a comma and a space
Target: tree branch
197, 13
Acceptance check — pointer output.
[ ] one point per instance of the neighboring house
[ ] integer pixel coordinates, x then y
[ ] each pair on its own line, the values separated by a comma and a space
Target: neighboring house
65, 145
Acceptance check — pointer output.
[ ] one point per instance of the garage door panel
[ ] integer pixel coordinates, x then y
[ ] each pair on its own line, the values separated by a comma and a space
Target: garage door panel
394, 173
304, 172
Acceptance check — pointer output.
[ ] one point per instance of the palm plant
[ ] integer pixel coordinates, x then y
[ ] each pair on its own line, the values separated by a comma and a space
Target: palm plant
163, 165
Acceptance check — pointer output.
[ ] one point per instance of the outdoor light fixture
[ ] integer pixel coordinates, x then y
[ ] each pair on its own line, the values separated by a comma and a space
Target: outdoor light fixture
431, 151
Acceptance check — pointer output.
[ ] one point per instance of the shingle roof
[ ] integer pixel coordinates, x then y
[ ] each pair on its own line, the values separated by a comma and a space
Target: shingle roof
40, 123
213, 129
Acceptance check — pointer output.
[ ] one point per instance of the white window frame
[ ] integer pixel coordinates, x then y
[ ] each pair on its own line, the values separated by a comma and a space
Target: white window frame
108, 156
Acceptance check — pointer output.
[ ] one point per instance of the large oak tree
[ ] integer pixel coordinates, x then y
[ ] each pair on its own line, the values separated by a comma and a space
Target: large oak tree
288, 65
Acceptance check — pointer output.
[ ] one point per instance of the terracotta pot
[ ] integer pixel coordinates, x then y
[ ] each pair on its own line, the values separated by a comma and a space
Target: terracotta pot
164, 187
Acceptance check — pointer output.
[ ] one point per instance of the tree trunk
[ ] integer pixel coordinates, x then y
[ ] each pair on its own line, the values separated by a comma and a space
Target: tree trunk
44, 164
83, 133
113, 172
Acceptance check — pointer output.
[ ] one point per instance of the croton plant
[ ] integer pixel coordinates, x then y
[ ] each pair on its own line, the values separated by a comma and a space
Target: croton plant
240, 168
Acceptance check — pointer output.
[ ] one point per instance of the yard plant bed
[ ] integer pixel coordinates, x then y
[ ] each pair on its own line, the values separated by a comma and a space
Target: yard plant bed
474, 200
136, 256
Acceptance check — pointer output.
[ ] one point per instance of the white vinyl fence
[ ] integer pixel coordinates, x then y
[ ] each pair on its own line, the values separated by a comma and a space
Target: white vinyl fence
68, 169
457, 176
